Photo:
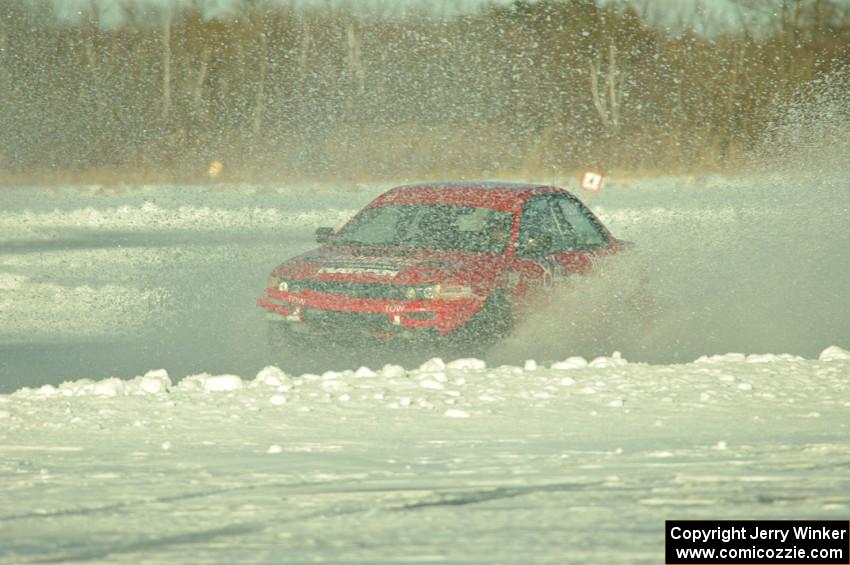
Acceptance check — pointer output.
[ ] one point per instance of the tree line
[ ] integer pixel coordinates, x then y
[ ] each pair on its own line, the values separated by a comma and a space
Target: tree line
277, 92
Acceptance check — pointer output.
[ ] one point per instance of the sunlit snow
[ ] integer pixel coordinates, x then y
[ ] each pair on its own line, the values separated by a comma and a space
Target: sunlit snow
374, 463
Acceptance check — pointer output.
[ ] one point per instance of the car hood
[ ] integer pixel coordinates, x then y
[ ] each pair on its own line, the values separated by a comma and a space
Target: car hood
392, 266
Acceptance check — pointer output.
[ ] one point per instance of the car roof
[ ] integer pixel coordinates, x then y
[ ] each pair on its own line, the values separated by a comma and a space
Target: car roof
484, 185
491, 194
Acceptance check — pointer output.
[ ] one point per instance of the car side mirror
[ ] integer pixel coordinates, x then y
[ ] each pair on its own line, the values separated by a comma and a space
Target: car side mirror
538, 246
324, 234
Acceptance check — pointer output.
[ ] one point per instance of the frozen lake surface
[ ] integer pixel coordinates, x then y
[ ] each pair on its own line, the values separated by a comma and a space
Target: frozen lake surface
180, 438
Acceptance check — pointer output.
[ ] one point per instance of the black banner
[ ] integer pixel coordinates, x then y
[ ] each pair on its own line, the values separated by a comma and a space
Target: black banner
761, 542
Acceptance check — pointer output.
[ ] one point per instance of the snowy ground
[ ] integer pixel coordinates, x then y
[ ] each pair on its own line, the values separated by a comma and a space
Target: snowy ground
576, 457
570, 462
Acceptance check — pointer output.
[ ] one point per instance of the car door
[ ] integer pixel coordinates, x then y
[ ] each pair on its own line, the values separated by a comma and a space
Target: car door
558, 237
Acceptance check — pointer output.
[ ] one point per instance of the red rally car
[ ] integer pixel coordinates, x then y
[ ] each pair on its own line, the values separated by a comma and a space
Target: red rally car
455, 260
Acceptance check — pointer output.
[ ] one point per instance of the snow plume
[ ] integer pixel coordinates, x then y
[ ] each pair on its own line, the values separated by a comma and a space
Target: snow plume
812, 131
753, 264
587, 316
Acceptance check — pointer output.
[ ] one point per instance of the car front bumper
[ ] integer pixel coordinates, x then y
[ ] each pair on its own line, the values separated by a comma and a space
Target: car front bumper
319, 313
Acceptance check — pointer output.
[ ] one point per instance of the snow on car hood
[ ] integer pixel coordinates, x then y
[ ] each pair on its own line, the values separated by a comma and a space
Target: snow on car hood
402, 266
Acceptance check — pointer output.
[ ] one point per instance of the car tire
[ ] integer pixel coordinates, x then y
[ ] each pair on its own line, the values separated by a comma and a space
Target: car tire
488, 326
283, 344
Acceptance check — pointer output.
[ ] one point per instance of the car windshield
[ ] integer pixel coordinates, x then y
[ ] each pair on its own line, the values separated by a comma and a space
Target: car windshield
430, 226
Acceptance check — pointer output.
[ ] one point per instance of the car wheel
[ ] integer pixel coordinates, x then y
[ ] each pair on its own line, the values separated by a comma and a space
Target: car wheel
283, 344
499, 315
488, 326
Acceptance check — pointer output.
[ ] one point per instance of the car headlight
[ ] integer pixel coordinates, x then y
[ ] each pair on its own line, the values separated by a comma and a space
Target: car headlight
452, 291
277, 283
419, 292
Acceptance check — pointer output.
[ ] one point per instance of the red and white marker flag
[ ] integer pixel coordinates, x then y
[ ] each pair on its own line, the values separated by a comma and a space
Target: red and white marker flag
591, 180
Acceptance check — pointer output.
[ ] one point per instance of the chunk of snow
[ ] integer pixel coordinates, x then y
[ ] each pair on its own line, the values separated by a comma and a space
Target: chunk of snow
615, 360
567, 381
455, 413
274, 449
530, 365
432, 365
222, 383
570, 363
393, 371
278, 400
467, 364
767, 358
364, 373
109, 387
155, 382
47, 390
727, 358
834, 353
438, 376
271, 376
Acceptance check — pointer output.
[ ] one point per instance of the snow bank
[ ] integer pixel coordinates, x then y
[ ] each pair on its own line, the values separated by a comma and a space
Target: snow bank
29, 224
465, 388
835, 353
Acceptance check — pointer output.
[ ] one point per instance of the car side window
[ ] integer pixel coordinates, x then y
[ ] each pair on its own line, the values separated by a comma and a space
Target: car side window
371, 226
543, 229
586, 232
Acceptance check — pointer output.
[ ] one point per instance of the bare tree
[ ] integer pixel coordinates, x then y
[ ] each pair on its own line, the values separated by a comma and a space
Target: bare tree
4, 49
166, 61
253, 15
200, 80
609, 101
355, 57
306, 47
88, 33
259, 100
